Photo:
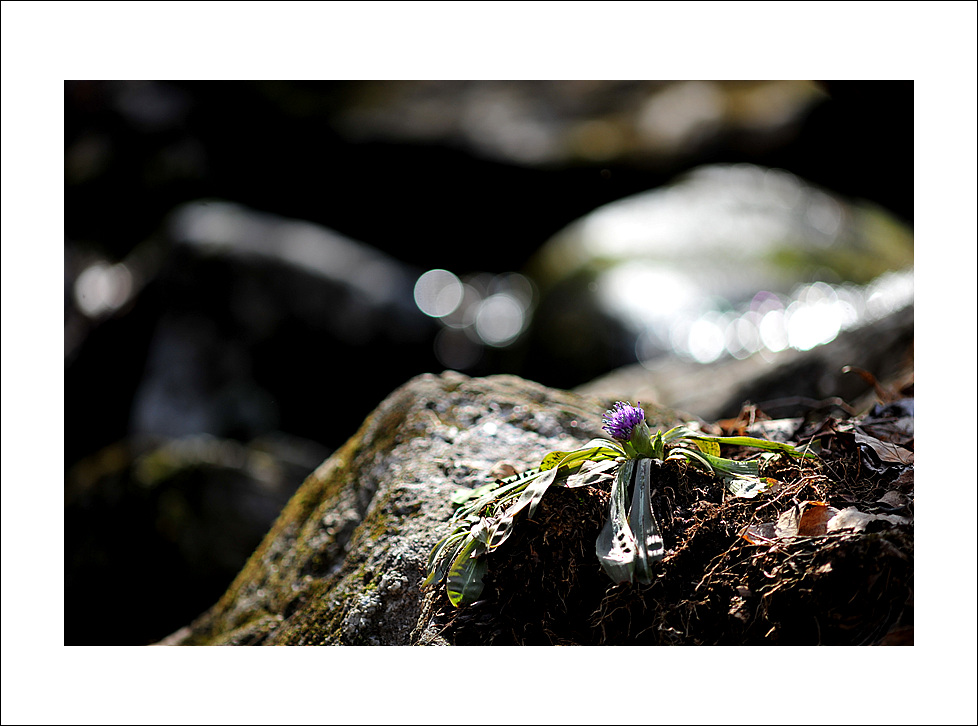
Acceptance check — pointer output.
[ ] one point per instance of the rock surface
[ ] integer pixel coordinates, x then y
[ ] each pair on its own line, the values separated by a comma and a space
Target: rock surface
783, 383
724, 261
344, 563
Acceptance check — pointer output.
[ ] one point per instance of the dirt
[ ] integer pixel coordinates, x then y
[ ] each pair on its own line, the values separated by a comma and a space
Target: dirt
715, 585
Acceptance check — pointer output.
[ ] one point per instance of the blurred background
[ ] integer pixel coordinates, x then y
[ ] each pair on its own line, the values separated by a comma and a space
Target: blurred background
251, 267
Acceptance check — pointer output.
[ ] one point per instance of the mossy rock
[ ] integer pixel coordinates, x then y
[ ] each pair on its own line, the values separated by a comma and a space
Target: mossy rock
344, 563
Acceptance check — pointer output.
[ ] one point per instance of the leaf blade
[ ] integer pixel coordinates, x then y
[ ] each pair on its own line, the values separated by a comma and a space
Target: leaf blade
641, 519
464, 584
615, 545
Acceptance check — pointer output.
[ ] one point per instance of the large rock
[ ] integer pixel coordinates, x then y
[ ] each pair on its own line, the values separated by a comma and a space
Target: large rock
225, 325
786, 383
345, 561
232, 318
654, 123
724, 262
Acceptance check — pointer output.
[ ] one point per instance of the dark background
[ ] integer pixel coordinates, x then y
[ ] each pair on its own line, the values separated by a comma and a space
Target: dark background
272, 147
133, 155
246, 142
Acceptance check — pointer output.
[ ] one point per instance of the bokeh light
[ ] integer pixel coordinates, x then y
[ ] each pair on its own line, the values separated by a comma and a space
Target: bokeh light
500, 319
706, 338
102, 288
480, 310
814, 314
438, 293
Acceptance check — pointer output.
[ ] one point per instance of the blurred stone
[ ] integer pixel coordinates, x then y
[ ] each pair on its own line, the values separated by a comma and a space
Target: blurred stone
717, 215
249, 291
557, 122
218, 302
786, 383
725, 262
156, 529
237, 325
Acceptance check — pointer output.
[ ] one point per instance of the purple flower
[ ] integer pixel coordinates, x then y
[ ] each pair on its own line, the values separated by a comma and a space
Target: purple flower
622, 420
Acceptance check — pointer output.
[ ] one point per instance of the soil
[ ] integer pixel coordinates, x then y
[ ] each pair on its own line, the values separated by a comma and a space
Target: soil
720, 582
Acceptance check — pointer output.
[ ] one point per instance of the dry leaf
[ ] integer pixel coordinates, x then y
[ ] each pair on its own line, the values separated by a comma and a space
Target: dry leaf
897, 431
808, 520
893, 499
887, 452
815, 519
760, 533
852, 518
780, 430
904, 482
501, 470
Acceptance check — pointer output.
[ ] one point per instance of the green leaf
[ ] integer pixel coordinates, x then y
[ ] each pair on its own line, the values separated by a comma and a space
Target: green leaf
437, 549
684, 432
464, 494
641, 520
442, 556
593, 450
658, 446
555, 464
552, 459
616, 546
515, 484
708, 446
714, 464
763, 444
534, 492
529, 499
592, 473
677, 432
602, 443
464, 583
742, 477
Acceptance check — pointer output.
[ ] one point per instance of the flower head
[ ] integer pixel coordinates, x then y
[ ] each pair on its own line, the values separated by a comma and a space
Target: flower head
621, 420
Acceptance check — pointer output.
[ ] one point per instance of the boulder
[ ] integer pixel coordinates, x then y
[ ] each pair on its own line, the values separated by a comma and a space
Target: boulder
786, 383
724, 262
345, 561
232, 316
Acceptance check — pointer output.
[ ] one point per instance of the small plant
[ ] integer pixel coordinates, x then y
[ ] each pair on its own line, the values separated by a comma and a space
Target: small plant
630, 541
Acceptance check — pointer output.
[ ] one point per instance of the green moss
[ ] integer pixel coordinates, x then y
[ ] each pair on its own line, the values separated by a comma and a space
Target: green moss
323, 607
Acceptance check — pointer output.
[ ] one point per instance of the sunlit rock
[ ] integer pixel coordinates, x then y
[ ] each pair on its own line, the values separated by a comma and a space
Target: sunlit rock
244, 288
726, 262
